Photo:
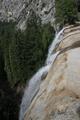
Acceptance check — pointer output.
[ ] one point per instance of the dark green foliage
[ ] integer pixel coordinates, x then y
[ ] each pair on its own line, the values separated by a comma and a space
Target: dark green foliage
6, 35
21, 54
66, 11
78, 5
8, 100
24, 52
28, 50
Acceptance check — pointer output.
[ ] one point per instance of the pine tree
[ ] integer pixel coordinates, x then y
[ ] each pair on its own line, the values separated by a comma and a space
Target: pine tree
66, 11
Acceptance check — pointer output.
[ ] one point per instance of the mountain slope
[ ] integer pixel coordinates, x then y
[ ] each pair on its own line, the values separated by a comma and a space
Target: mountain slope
20, 10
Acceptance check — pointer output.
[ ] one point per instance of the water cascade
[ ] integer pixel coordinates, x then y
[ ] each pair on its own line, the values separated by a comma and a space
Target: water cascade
56, 40
35, 81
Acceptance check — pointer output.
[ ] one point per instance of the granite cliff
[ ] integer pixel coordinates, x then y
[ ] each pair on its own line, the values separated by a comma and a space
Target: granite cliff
59, 95
20, 10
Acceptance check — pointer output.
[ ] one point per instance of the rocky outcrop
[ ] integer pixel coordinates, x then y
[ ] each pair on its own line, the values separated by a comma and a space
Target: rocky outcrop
59, 94
19, 10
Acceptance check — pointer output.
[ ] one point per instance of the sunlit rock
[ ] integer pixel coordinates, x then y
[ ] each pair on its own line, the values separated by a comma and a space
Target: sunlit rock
59, 95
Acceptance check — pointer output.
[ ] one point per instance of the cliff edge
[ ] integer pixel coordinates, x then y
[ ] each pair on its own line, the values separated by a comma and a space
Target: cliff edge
59, 94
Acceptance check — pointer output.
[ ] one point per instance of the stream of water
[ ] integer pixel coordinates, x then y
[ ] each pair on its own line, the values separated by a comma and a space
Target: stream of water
35, 81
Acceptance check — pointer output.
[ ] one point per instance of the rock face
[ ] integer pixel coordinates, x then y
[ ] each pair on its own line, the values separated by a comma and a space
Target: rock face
59, 94
19, 10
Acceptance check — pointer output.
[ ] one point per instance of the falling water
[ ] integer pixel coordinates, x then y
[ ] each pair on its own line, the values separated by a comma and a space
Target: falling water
32, 89
56, 41
34, 83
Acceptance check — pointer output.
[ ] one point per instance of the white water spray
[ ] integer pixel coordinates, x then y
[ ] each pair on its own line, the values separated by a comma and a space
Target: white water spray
57, 40
35, 81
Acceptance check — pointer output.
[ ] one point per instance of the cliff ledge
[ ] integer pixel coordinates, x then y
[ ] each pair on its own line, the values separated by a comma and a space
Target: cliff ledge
59, 94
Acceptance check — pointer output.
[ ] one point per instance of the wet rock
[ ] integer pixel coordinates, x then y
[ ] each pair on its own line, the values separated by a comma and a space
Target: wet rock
59, 94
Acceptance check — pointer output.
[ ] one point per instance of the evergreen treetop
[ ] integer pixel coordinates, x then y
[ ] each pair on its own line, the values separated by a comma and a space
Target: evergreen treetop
66, 11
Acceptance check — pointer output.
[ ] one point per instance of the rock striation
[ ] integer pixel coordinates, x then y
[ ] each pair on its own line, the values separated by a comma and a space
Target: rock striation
59, 95
20, 10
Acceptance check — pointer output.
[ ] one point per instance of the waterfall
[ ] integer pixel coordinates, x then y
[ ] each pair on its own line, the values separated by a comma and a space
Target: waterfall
56, 40
35, 81
32, 89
